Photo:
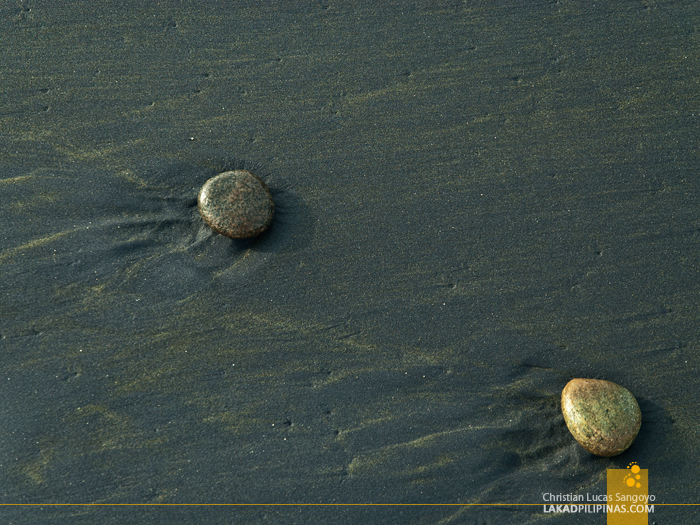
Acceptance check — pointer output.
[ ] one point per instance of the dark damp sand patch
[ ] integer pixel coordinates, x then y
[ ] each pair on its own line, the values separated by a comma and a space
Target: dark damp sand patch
350, 341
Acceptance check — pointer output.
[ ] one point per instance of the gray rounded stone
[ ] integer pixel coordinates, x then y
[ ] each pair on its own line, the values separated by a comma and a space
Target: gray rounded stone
236, 204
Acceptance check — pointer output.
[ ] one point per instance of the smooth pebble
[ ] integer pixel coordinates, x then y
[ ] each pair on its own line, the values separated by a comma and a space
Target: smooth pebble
236, 204
603, 416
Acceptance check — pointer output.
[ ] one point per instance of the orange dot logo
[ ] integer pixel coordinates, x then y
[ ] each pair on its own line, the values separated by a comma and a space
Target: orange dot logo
632, 479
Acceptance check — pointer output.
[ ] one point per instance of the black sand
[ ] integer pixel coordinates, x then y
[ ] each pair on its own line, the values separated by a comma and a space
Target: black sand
475, 203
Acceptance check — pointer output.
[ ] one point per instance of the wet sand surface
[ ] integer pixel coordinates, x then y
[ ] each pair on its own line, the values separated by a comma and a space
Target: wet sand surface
475, 203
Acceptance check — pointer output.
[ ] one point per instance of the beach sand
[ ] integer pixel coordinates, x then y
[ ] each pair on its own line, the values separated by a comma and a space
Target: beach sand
475, 202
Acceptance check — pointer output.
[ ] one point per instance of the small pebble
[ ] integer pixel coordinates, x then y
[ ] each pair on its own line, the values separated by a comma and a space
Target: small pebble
236, 204
602, 416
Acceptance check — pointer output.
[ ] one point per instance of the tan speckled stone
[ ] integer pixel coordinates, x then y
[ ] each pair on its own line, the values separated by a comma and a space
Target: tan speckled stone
236, 204
603, 417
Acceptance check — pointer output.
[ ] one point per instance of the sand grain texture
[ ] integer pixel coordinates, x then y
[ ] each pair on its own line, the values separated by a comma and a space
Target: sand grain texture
474, 203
